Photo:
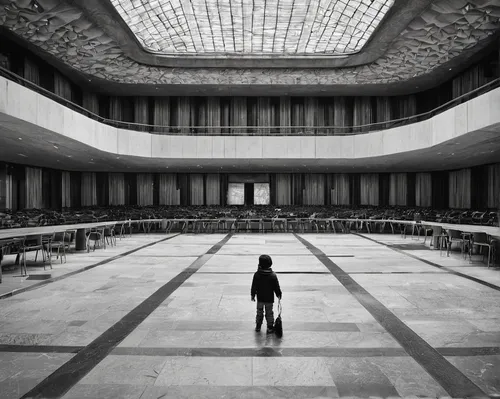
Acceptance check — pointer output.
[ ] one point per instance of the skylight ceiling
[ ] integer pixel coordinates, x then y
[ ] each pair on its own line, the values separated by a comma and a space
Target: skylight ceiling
253, 27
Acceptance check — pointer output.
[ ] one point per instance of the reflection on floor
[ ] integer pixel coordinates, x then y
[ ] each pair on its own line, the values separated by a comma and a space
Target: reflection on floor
175, 320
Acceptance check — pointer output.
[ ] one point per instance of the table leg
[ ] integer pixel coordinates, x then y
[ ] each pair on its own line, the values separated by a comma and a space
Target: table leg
80, 240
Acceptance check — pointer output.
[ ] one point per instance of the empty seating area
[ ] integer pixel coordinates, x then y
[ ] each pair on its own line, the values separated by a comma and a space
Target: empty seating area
42, 217
58, 233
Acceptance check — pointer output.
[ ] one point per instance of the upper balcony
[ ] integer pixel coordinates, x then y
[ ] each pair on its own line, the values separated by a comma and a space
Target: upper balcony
42, 129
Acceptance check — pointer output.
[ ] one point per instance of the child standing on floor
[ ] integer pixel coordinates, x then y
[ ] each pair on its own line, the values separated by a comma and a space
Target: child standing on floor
265, 284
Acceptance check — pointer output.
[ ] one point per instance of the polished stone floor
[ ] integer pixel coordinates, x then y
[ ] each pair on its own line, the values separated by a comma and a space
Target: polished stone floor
162, 316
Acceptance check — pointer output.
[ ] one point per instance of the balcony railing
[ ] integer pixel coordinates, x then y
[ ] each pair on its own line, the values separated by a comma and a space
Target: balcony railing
253, 130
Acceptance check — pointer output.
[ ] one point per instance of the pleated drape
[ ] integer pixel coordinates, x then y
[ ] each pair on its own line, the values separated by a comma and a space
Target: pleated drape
182, 114
423, 189
238, 113
460, 188
369, 189
407, 106
31, 71
362, 113
33, 185
115, 108
3, 184
213, 114
161, 114
5, 190
470, 79
494, 186
340, 189
285, 114
213, 189
265, 115
62, 86
398, 189
314, 189
297, 106
283, 189
196, 187
145, 184
89, 192
341, 116
384, 110
141, 112
66, 189
116, 188
91, 102
311, 112
168, 192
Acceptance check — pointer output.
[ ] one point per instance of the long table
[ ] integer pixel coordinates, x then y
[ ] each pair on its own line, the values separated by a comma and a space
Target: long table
80, 228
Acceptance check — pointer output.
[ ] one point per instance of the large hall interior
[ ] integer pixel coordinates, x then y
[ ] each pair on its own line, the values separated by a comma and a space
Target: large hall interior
249, 199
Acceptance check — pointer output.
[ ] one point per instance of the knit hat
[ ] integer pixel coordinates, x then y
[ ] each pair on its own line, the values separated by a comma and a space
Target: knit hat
265, 261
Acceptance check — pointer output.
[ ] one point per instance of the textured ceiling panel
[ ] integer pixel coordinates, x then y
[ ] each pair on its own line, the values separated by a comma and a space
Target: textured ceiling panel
445, 30
253, 27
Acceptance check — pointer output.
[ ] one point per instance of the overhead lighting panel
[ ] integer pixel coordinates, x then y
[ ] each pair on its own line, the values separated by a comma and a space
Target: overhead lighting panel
258, 27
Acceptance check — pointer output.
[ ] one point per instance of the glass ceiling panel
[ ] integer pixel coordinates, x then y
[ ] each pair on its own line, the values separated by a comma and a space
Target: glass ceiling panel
253, 27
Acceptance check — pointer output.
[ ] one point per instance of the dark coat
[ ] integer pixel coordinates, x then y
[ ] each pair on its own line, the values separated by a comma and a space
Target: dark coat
265, 284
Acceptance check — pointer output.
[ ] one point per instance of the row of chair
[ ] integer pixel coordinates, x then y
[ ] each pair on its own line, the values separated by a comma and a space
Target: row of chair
55, 244
466, 241
254, 225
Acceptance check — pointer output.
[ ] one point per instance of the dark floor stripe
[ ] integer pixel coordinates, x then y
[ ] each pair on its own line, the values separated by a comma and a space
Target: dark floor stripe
39, 348
447, 375
451, 271
84, 269
66, 376
422, 272
255, 352
282, 255
480, 351
267, 351
255, 271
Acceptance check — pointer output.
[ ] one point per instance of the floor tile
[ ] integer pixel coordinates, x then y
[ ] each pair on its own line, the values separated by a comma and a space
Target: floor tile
206, 371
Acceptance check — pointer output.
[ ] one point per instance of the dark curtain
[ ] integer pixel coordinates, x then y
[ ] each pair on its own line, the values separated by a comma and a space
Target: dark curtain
355, 189
479, 187
184, 187
223, 188
440, 190
384, 181
297, 188
156, 189
410, 189
272, 188
131, 188
102, 188
76, 189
